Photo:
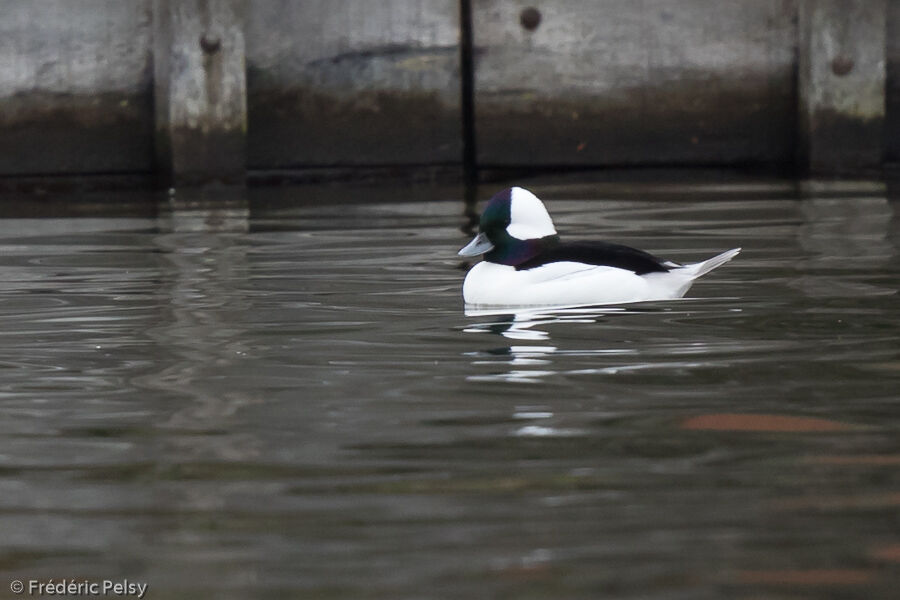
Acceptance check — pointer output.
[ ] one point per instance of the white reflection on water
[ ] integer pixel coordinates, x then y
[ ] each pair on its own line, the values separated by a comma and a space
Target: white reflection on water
542, 431
534, 363
520, 324
533, 325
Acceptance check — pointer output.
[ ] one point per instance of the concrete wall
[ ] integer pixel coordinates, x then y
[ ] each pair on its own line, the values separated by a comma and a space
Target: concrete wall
200, 90
75, 86
625, 82
892, 117
356, 83
350, 82
841, 83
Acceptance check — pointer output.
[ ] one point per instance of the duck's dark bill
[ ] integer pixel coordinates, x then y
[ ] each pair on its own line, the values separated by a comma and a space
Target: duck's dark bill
479, 245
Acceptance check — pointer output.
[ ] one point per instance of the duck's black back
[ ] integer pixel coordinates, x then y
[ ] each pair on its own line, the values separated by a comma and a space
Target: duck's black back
600, 254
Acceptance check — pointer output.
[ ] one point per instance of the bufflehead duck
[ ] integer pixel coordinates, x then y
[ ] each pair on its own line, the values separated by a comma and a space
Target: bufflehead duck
526, 264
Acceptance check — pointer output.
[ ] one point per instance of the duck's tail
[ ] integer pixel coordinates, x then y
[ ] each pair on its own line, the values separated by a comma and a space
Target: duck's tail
695, 270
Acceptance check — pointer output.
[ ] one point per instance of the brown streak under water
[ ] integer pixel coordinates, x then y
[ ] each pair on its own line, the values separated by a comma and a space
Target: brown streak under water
760, 422
807, 577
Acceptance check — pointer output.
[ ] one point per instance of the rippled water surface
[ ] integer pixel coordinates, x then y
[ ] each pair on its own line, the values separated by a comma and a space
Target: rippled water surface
285, 398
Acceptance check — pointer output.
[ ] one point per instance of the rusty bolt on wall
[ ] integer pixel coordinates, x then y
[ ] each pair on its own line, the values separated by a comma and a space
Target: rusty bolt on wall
841, 65
530, 18
210, 43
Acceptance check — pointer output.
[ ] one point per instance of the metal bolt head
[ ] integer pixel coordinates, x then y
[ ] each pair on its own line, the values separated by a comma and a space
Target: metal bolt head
530, 18
209, 43
842, 65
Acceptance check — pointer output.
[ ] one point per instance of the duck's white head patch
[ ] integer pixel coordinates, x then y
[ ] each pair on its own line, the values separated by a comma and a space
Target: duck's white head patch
528, 219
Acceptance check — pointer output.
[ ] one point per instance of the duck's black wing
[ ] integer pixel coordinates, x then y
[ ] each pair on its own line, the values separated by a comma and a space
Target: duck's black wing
600, 254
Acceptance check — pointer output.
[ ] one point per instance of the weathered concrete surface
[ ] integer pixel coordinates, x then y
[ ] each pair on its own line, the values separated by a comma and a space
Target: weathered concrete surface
353, 82
841, 79
618, 82
200, 90
357, 83
75, 87
892, 83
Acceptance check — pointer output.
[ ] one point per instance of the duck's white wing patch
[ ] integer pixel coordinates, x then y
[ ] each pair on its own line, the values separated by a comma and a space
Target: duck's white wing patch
564, 271
580, 283
567, 283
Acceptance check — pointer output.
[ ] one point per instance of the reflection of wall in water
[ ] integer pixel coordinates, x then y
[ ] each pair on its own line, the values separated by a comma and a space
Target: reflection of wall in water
842, 236
203, 246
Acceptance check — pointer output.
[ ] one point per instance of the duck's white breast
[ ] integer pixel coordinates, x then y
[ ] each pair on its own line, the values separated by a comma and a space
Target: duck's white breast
561, 283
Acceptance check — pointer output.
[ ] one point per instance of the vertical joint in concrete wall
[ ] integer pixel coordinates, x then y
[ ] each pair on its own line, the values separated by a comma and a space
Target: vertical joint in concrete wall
200, 91
467, 91
841, 79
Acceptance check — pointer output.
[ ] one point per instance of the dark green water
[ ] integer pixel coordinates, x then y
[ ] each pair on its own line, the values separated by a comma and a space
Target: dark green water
285, 398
